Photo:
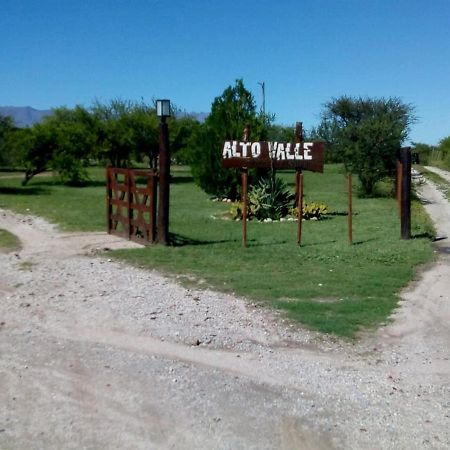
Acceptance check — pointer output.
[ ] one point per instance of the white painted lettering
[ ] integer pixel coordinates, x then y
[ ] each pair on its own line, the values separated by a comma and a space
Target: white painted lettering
226, 153
307, 149
272, 149
297, 154
256, 149
245, 146
235, 153
289, 155
281, 152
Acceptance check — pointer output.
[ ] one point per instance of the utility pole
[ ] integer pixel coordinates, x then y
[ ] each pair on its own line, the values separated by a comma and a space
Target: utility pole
263, 87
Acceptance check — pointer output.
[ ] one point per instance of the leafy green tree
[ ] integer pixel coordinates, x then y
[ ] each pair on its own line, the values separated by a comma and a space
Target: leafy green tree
280, 133
230, 113
64, 142
423, 152
115, 137
144, 126
327, 131
7, 129
181, 132
126, 131
74, 131
367, 133
443, 149
38, 148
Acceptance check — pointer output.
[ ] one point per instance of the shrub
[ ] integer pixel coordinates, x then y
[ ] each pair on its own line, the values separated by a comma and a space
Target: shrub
269, 199
311, 211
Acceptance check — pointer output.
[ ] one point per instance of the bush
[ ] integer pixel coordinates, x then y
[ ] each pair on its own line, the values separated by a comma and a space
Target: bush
230, 114
269, 199
311, 211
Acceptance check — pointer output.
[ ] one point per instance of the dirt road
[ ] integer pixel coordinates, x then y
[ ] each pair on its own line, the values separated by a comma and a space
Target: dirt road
98, 355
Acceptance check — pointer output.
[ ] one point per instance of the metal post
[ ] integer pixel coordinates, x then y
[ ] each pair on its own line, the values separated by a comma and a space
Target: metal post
164, 184
406, 193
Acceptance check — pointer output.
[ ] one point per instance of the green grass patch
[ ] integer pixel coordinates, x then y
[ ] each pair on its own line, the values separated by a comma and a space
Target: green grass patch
8, 242
72, 208
325, 284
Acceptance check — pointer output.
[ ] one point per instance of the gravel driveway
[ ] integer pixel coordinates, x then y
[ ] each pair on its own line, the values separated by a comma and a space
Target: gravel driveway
95, 354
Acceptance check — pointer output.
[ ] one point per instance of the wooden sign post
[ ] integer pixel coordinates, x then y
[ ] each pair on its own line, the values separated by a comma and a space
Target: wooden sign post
299, 185
244, 205
274, 155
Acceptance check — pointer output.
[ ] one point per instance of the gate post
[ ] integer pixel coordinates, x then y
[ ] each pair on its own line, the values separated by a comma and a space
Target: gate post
405, 202
109, 175
164, 184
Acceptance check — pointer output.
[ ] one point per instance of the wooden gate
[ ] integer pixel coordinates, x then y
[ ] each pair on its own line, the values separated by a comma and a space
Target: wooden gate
131, 203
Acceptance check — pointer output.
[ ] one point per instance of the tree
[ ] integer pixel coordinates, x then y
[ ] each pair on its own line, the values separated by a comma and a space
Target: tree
230, 113
182, 130
64, 142
76, 139
327, 131
444, 151
423, 151
126, 131
281, 133
37, 148
7, 128
114, 135
367, 134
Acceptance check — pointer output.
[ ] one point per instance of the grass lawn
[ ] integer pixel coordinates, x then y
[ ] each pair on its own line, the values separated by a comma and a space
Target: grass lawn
325, 284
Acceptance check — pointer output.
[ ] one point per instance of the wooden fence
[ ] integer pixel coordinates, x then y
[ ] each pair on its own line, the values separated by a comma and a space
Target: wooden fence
131, 203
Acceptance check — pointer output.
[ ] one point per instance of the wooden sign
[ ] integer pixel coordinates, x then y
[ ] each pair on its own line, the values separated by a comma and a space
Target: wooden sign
276, 155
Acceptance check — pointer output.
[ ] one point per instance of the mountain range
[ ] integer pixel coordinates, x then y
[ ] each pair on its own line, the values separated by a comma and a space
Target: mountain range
26, 116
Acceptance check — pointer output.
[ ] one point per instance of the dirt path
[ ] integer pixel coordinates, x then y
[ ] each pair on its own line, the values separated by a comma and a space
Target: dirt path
443, 173
98, 355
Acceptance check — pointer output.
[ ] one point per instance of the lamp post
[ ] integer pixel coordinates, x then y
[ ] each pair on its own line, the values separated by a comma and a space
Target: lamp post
163, 111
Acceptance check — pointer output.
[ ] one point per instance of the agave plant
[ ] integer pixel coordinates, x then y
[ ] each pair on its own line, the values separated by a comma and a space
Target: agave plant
269, 199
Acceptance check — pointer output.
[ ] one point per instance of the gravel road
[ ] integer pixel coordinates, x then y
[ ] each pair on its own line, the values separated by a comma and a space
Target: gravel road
95, 354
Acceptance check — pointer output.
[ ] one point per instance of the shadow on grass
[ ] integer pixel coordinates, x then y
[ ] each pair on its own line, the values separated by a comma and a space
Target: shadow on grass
339, 213
363, 241
24, 191
55, 182
178, 240
180, 179
424, 235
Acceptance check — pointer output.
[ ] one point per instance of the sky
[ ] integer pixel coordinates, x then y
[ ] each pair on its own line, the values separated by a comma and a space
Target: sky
307, 52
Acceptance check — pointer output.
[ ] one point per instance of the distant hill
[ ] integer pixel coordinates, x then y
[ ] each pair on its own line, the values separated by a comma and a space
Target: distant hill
24, 116
200, 116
